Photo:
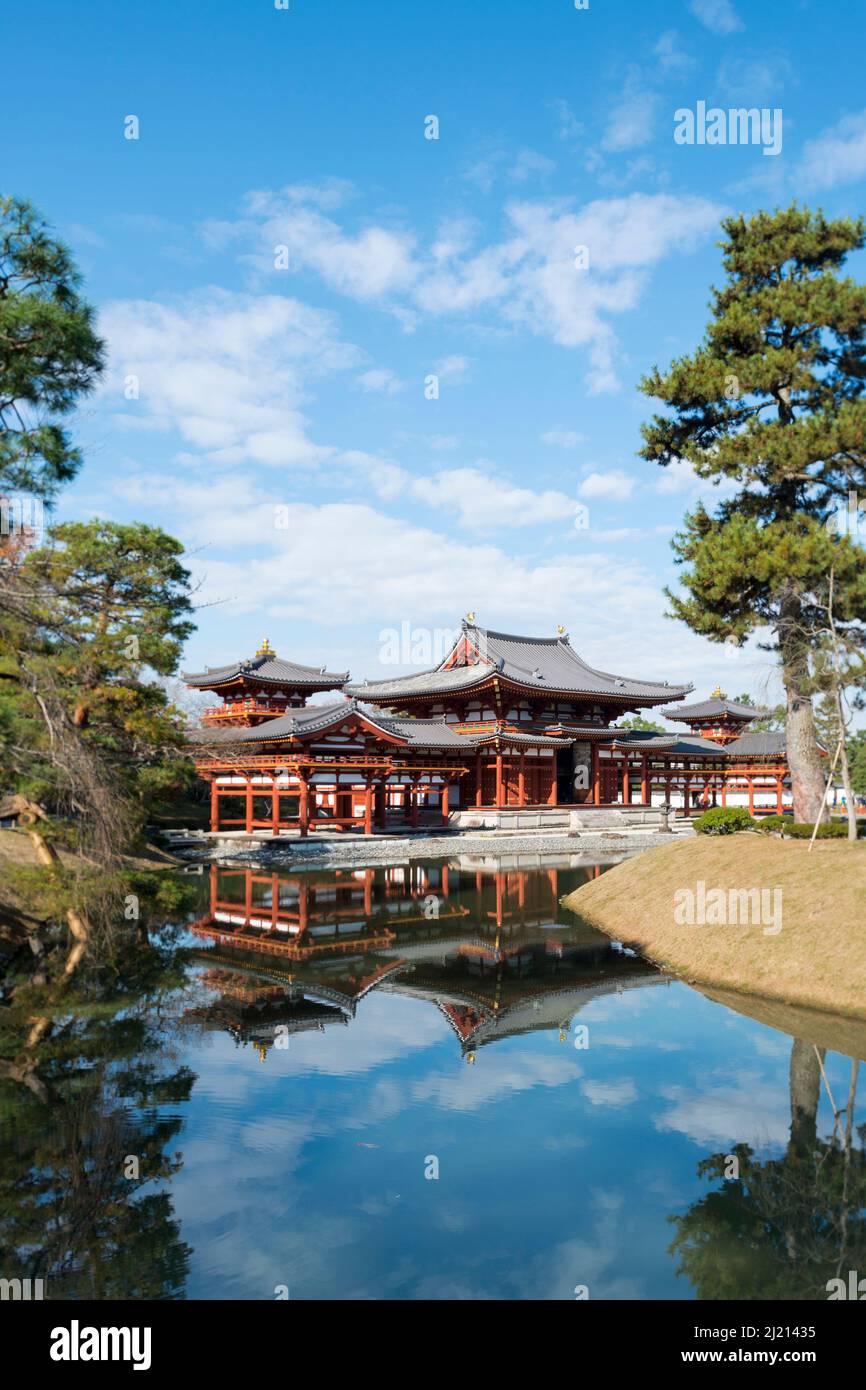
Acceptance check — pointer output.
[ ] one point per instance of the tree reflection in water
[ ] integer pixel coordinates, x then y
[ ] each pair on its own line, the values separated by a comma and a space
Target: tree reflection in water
784, 1226
86, 1138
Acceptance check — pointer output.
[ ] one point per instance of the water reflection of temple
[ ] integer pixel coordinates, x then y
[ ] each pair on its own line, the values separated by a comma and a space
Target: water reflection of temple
490, 946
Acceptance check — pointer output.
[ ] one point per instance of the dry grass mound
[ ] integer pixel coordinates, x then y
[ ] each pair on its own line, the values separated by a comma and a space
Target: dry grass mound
817, 957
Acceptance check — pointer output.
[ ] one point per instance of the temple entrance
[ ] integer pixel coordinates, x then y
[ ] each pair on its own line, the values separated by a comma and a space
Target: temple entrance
566, 795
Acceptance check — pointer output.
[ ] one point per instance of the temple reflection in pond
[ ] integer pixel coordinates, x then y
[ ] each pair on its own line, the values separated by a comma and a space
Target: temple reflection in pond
488, 945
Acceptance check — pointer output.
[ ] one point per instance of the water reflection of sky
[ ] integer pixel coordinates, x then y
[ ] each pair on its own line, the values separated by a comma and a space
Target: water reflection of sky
558, 1166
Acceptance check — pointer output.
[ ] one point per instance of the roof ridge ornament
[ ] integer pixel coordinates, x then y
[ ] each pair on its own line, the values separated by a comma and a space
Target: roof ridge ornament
265, 649
718, 694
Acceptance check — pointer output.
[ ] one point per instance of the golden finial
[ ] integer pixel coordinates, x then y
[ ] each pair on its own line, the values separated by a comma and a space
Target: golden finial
719, 694
470, 1059
265, 649
470, 618
560, 630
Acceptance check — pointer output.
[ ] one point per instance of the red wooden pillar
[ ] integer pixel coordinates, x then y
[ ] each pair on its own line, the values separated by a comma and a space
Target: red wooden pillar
644, 781
275, 808
479, 775
779, 785
249, 805
552, 797
521, 779
445, 798
498, 777
368, 808
304, 806
724, 790
687, 795
214, 805
626, 786
751, 796
596, 776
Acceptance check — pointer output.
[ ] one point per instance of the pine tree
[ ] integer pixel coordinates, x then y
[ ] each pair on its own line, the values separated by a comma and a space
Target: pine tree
50, 354
772, 401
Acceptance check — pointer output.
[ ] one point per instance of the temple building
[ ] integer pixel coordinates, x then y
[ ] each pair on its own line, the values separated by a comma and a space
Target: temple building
503, 723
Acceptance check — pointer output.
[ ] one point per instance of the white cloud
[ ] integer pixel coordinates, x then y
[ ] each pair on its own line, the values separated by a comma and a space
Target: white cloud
483, 502
371, 264
613, 1094
670, 56
717, 15
452, 369
568, 126
613, 483
227, 371
837, 155
382, 380
563, 439
529, 278
677, 476
632, 118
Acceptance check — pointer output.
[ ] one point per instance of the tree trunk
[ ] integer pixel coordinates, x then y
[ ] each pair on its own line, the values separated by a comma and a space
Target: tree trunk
850, 805
804, 760
805, 1086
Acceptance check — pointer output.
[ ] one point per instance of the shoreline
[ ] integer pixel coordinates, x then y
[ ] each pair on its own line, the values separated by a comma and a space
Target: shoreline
362, 849
814, 959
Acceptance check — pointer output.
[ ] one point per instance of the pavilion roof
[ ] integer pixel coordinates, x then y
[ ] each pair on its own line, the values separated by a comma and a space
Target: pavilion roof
769, 744
747, 745
268, 669
416, 733
716, 707
667, 743
538, 663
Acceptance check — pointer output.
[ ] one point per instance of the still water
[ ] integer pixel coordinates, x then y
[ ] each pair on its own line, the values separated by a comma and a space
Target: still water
425, 1081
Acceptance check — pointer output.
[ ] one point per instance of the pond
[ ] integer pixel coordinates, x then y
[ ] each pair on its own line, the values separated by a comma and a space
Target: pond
424, 1081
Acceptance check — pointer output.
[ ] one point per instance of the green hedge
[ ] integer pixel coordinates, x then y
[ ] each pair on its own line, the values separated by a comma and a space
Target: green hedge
798, 830
724, 820
835, 830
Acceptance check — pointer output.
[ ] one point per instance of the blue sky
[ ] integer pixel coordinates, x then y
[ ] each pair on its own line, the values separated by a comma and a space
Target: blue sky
282, 428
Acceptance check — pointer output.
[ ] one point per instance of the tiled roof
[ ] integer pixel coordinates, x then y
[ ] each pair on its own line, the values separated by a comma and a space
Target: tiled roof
271, 670
539, 663
714, 708
678, 744
416, 733
747, 745
769, 744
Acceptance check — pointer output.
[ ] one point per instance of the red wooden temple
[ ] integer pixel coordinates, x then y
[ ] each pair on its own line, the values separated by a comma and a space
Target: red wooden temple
503, 721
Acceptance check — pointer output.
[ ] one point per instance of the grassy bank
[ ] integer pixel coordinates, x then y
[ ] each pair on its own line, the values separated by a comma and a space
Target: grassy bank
818, 958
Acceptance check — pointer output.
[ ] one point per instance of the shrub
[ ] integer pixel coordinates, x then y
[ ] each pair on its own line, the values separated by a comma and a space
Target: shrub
724, 820
768, 823
833, 830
